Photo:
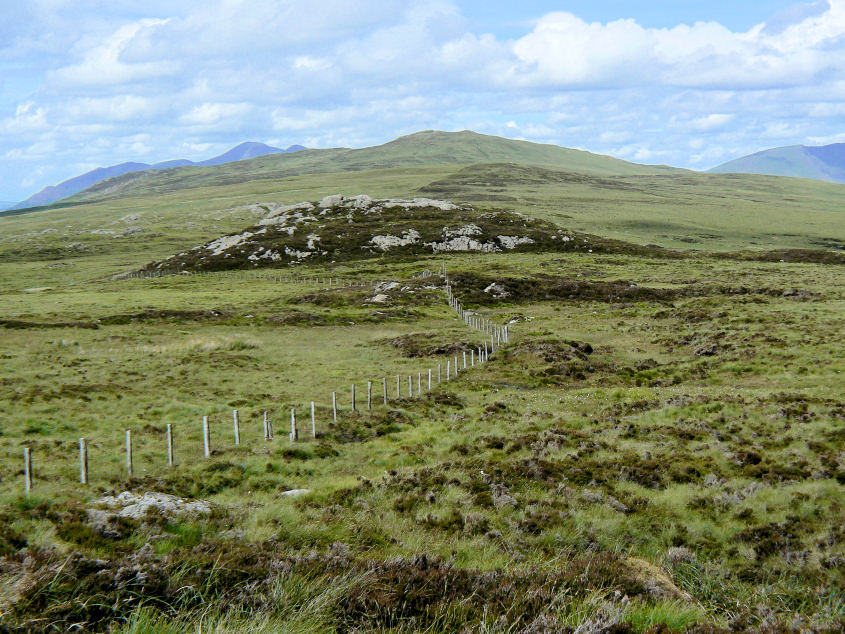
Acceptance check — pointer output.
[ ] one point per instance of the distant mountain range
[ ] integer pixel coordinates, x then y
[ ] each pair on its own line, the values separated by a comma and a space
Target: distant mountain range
77, 184
823, 163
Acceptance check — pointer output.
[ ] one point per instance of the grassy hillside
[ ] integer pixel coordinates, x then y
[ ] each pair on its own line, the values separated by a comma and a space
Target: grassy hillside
427, 148
145, 217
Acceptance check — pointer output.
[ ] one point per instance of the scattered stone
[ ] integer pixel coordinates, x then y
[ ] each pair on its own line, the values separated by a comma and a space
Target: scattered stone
380, 298
497, 290
295, 493
137, 505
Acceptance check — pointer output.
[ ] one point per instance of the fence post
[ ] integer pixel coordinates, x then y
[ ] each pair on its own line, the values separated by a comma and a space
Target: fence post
83, 461
456, 365
169, 445
438, 373
384, 388
398, 391
236, 421
465, 359
293, 433
206, 440
129, 464
369, 395
419, 383
410, 387
334, 406
472, 358
353, 397
27, 470
266, 429
448, 369
313, 422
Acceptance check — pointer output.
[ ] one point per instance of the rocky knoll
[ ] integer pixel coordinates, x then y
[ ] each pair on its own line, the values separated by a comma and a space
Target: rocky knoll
340, 228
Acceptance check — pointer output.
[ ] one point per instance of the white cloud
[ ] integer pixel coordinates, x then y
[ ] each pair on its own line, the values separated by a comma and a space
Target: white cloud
28, 118
102, 63
108, 82
212, 113
563, 50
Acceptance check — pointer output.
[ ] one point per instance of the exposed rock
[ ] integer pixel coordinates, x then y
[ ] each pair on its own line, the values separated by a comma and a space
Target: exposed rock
341, 228
136, 506
497, 290
295, 493
380, 298
412, 236
511, 242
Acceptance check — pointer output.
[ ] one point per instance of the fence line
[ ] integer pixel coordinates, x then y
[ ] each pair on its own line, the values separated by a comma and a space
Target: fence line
499, 335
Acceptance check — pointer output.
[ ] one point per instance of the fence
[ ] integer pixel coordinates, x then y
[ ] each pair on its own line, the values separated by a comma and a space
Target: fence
425, 380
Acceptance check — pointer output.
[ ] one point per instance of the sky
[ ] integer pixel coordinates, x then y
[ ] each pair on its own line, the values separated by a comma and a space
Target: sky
90, 83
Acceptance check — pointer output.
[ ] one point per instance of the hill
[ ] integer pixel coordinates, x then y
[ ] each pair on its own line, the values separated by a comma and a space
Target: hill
79, 183
824, 163
426, 148
150, 215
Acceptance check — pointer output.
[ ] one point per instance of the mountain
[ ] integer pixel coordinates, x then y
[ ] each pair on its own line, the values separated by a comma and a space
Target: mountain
823, 163
79, 183
246, 151
419, 150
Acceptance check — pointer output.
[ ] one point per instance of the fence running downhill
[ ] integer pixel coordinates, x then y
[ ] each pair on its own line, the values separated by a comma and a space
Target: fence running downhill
425, 379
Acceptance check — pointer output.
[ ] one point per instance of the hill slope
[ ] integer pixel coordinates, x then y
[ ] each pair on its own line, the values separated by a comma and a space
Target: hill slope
79, 183
824, 163
426, 148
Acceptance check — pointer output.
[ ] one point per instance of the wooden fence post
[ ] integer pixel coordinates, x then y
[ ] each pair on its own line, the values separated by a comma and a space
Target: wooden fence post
448, 369
334, 406
83, 461
353, 397
369, 395
456, 365
419, 383
129, 463
266, 430
293, 432
465, 359
429, 379
313, 422
438, 373
384, 388
398, 391
27, 470
472, 358
169, 445
236, 421
206, 440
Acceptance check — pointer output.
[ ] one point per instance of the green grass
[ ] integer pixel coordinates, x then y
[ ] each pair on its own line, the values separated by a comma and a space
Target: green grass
596, 466
660, 445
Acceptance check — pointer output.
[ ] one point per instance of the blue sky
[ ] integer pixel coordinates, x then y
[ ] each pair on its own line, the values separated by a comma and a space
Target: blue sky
88, 83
